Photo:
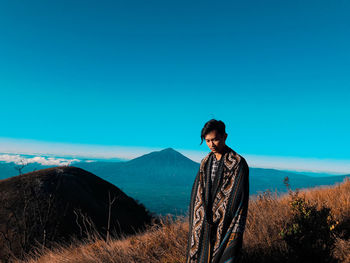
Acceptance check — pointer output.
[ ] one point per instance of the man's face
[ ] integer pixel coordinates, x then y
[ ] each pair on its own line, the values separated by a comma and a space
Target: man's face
215, 141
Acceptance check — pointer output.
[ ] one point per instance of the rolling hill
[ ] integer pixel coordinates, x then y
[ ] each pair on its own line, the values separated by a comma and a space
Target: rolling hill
57, 204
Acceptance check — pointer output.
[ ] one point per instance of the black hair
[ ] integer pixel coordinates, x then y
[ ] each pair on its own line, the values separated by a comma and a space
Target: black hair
212, 125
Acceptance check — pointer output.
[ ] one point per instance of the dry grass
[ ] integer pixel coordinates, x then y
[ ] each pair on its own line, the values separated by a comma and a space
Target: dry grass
167, 243
162, 243
268, 213
342, 250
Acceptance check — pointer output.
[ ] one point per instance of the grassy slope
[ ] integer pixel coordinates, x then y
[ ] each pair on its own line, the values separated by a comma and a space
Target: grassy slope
167, 243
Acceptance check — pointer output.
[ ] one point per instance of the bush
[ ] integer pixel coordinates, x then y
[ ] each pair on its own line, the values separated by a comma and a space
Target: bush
309, 233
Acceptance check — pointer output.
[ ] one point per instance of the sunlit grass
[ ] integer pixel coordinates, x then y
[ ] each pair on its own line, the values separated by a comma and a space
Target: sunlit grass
167, 242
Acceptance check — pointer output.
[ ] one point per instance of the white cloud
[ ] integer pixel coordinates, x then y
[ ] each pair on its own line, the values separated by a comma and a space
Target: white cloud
20, 159
10, 158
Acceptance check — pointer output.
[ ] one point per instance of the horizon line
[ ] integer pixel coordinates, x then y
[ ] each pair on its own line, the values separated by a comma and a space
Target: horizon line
108, 152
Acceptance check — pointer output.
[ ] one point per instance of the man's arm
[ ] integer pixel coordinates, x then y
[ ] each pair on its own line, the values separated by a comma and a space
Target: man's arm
235, 242
190, 215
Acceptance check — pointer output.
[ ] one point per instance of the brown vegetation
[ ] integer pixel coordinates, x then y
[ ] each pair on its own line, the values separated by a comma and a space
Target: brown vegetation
263, 242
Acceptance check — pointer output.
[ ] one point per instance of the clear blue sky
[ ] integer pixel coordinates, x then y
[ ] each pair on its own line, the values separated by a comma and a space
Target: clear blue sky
151, 73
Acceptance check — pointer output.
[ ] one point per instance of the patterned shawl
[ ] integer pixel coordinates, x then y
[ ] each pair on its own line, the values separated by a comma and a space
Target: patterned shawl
218, 210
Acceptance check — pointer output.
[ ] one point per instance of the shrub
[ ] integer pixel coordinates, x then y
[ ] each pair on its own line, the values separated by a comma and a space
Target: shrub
309, 233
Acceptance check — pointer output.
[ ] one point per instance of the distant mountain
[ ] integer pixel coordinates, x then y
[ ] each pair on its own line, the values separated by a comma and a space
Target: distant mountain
55, 204
170, 166
263, 179
168, 158
165, 166
162, 180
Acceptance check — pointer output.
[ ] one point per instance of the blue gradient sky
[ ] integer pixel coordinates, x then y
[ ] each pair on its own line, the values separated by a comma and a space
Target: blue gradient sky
151, 73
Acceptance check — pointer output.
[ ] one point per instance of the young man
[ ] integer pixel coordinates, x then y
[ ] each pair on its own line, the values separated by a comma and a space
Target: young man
219, 201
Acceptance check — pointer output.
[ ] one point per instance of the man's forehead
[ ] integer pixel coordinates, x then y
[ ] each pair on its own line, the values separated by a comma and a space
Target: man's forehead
212, 135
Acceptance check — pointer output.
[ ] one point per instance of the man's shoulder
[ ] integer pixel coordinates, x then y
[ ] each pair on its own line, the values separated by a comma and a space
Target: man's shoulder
206, 157
238, 157
243, 161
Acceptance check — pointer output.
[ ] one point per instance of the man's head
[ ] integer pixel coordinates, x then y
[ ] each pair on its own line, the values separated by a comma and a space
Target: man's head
214, 135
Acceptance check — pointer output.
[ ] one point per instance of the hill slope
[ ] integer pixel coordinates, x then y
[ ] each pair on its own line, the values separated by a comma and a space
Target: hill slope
55, 204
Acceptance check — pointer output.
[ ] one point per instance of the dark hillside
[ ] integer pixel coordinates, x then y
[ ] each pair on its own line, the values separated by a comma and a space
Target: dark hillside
55, 204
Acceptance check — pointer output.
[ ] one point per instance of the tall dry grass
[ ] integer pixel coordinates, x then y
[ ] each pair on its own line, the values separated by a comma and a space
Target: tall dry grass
167, 242
268, 214
159, 243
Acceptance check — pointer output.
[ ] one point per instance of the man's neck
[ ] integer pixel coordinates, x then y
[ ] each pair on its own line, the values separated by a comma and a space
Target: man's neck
219, 154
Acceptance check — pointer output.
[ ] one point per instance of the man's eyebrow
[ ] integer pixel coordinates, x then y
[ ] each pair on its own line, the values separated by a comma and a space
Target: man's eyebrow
213, 138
